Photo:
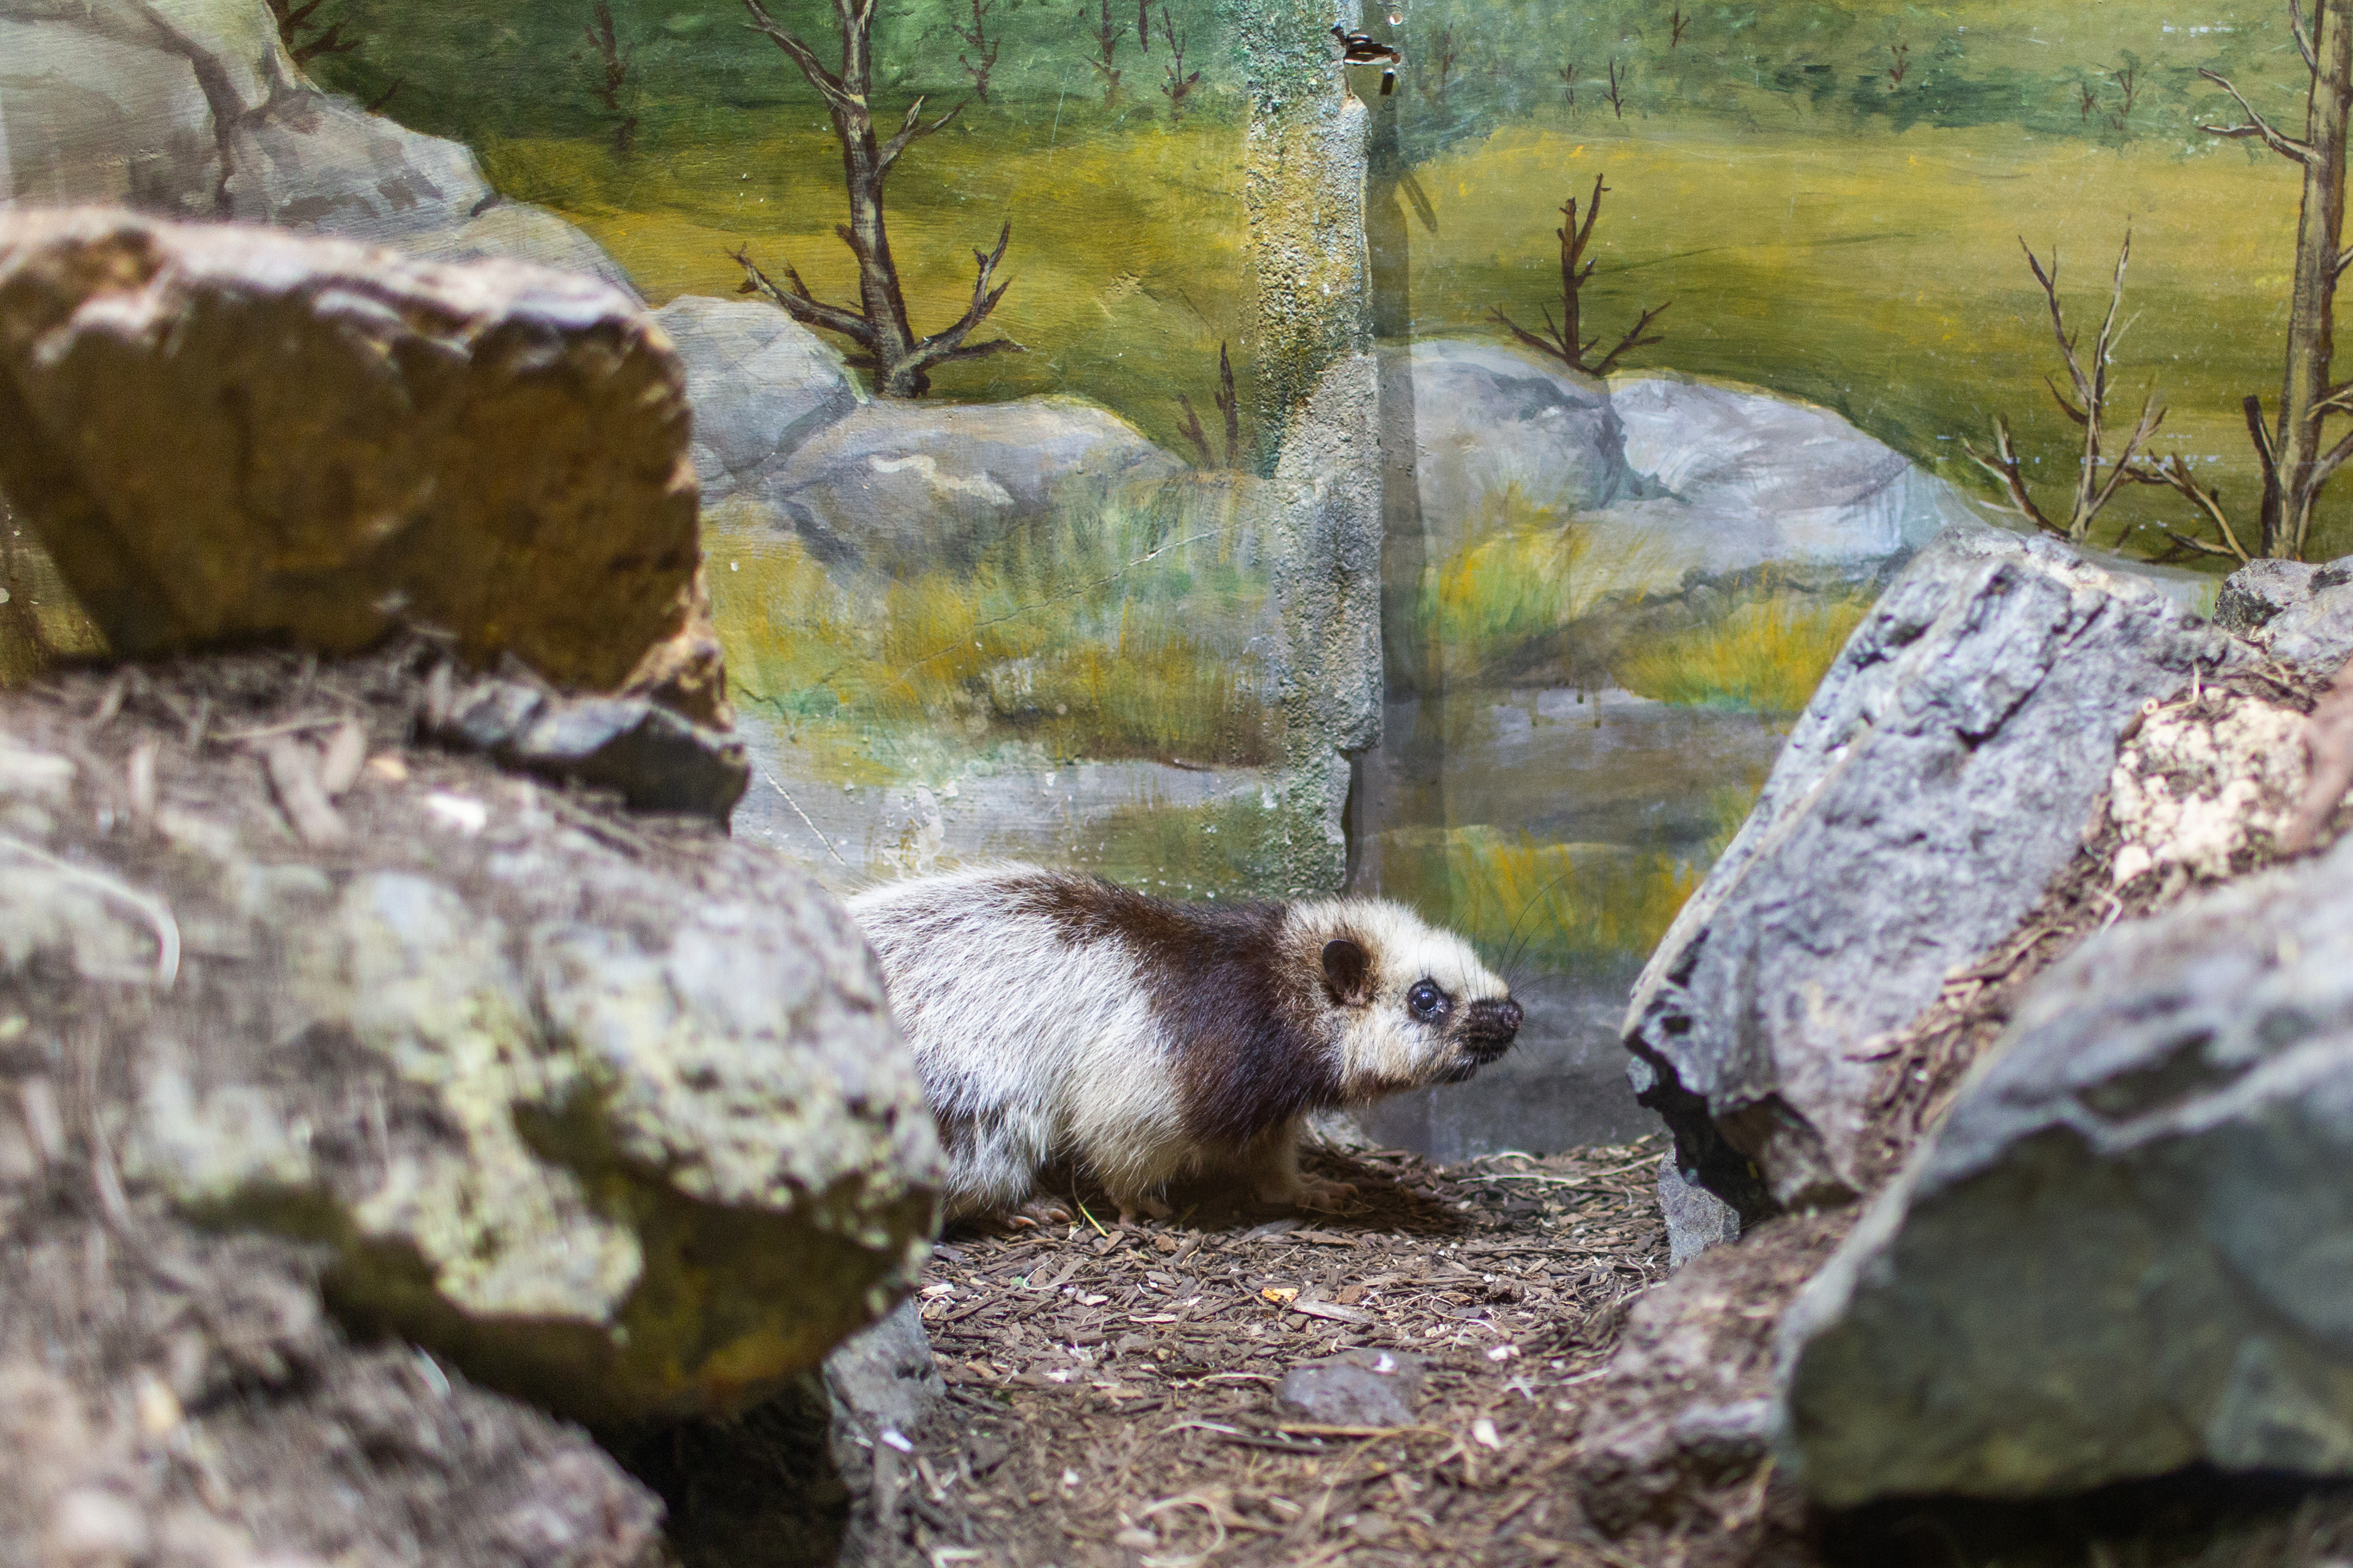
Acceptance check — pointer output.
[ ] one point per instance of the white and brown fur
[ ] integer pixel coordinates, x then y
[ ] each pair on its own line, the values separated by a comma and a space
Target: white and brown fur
1058, 1018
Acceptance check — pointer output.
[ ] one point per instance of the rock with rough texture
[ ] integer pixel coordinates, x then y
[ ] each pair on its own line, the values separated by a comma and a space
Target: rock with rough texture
1941, 775
884, 1379
1684, 1405
228, 435
1483, 437
192, 109
898, 487
1356, 1388
607, 1114
656, 760
1736, 481
2299, 613
761, 385
1696, 1220
2129, 1248
314, 1451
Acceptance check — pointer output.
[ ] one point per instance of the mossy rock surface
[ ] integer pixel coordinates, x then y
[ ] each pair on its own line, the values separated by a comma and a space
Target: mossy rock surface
608, 1111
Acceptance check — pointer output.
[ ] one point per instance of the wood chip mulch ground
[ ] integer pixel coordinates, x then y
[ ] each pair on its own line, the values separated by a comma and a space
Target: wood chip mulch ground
1114, 1392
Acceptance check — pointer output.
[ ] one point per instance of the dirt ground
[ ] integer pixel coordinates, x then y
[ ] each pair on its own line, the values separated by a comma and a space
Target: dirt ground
1114, 1394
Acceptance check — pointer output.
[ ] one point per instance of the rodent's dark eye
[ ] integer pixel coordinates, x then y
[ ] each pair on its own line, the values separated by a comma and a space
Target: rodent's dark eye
1426, 1000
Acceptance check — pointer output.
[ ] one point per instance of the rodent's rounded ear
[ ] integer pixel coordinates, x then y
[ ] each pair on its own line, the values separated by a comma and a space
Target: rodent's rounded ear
1348, 972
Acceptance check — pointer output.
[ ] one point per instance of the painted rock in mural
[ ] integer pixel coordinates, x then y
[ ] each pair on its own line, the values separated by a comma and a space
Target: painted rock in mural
2125, 1252
1741, 481
1484, 439
1939, 778
228, 435
196, 110
761, 385
909, 487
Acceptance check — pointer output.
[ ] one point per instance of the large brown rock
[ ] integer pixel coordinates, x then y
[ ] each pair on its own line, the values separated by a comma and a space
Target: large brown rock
228, 435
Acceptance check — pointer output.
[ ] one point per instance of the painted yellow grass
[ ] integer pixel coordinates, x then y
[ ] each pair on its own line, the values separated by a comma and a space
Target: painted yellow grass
1077, 648
1873, 271
1528, 573
1126, 265
1879, 274
1532, 906
1765, 656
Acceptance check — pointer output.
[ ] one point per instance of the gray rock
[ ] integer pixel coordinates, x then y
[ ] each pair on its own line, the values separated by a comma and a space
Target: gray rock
192, 109
612, 1116
761, 384
903, 486
2129, 1248
656, 760
1938, 779
1356, 1388
2299, 613
1685, 1403
1696, 1218
103, 114
1736, 481
1464, 423
1721, 1438
883, 1379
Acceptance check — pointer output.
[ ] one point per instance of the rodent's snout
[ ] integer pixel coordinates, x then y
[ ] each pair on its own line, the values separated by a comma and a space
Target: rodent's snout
1489, 1028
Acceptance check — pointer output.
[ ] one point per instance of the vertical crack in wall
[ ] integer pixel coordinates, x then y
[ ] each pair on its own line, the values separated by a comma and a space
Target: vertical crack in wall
1304, 188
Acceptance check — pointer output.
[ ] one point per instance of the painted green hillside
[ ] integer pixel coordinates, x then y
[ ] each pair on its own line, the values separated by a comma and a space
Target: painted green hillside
1832, 196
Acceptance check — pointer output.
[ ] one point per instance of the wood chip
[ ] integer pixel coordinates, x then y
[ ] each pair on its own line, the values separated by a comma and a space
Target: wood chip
139, 780
346, 754
1326, 1309
294, 776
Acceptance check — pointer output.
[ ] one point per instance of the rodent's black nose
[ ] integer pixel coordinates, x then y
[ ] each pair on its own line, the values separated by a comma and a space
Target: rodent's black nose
1489, 1026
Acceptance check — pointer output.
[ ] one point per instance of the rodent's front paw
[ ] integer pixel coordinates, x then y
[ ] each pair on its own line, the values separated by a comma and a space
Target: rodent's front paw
1040, 1211
1315, 1192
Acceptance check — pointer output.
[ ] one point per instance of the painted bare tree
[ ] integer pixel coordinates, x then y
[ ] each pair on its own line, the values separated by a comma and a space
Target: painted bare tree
879, 324
1179, 87
613, 77
983, 58
2098, 475
1107, 44
2294, 453
302, 37
1566, 341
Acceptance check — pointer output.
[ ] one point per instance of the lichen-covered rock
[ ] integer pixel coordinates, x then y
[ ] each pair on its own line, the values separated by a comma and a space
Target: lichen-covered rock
228, 435
1943, 773
608, 1113
2198, 785
2129, 1248
2299, 613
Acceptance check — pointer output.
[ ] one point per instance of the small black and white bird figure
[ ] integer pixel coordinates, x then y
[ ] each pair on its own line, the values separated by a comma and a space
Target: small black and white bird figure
1364, 49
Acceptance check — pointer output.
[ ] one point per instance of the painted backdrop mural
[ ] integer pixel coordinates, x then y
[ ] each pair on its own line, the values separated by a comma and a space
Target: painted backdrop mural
1038, 493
